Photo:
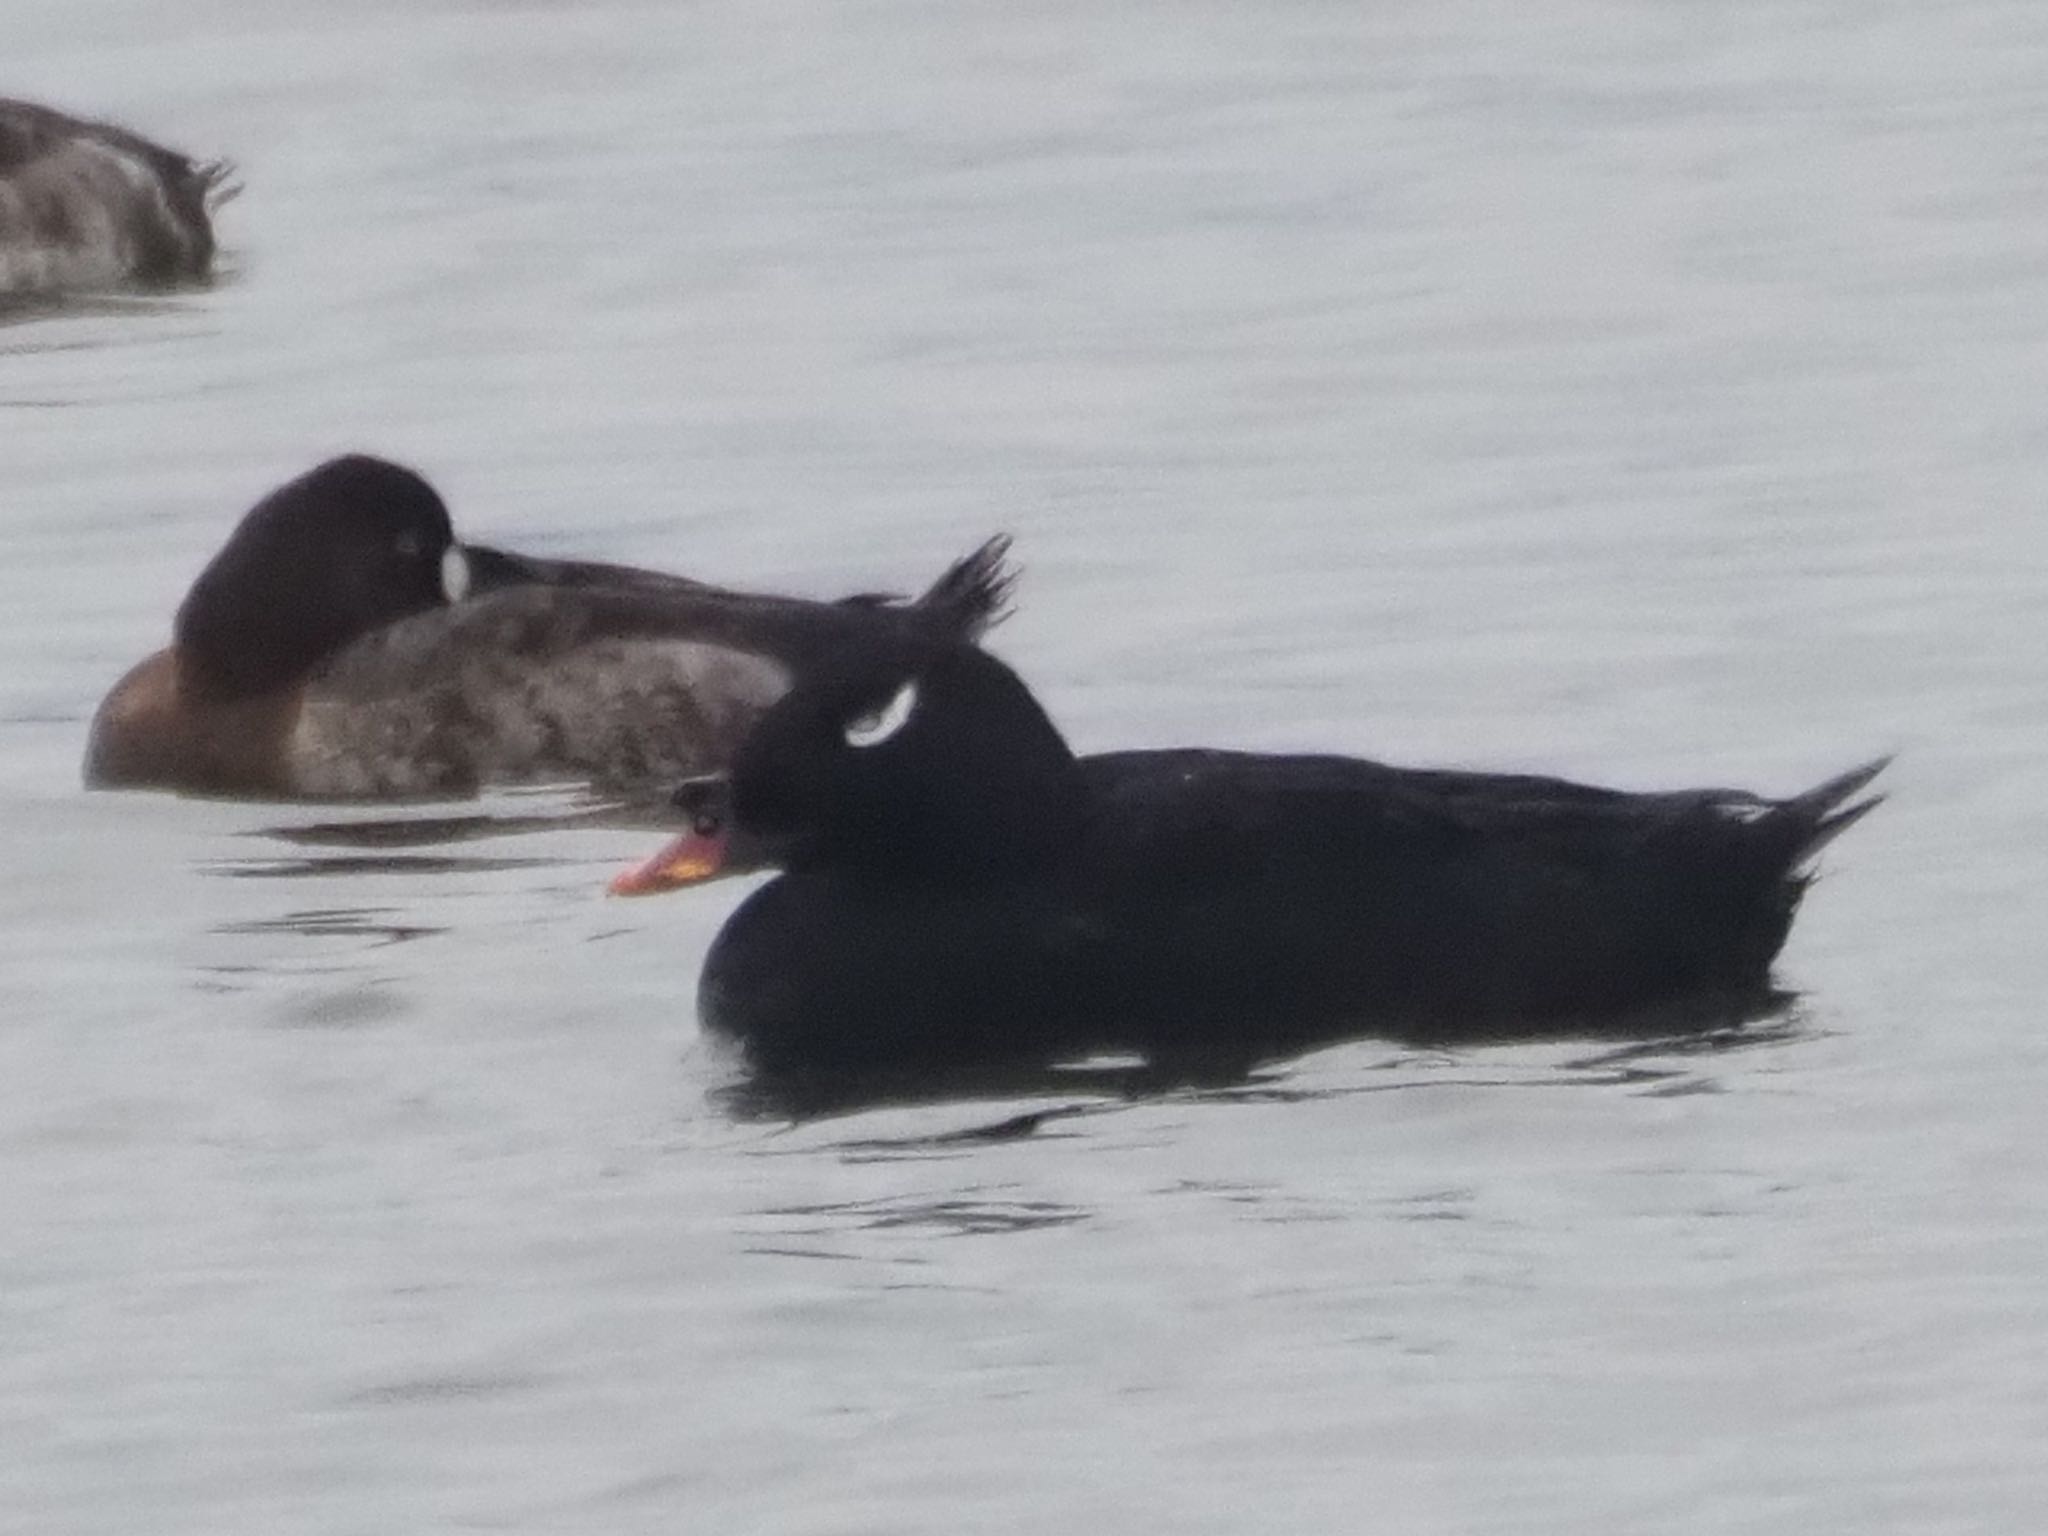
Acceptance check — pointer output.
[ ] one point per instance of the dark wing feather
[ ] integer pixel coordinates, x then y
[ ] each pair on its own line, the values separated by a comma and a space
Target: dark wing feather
970, 596
1485, 893
1328, 809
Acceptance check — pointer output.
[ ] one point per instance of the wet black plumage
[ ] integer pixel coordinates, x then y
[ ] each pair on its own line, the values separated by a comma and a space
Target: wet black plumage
968, 890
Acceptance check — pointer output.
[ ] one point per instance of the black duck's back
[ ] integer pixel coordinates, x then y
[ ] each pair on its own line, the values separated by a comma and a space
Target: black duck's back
1449, 895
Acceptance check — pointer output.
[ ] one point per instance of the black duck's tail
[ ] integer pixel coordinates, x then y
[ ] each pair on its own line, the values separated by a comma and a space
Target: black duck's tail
1786, 838
972, 596
1828, 810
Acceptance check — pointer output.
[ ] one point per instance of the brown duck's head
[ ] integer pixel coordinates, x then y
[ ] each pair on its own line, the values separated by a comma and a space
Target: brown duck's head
344, 549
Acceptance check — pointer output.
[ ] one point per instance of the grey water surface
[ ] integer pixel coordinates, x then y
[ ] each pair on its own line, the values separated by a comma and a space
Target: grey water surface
1650, 393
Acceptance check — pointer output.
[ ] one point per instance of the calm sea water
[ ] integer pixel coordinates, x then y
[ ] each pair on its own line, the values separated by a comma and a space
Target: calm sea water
1647, 393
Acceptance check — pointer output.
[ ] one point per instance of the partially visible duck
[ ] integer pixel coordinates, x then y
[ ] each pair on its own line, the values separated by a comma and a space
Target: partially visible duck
344, 644
958, 889
87, 206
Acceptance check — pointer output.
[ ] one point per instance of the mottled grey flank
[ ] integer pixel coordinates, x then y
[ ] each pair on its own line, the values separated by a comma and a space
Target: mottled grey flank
1647, 393
503, 693
86, 206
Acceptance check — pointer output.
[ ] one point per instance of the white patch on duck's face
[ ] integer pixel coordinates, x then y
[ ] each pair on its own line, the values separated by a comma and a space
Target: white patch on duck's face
871, 730
454, 573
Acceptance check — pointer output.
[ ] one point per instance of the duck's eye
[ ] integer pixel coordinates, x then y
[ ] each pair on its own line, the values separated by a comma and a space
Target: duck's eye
454, 573
407, 544
876, 727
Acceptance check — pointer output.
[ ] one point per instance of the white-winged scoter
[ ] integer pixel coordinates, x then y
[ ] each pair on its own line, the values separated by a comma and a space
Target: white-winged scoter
957, 888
